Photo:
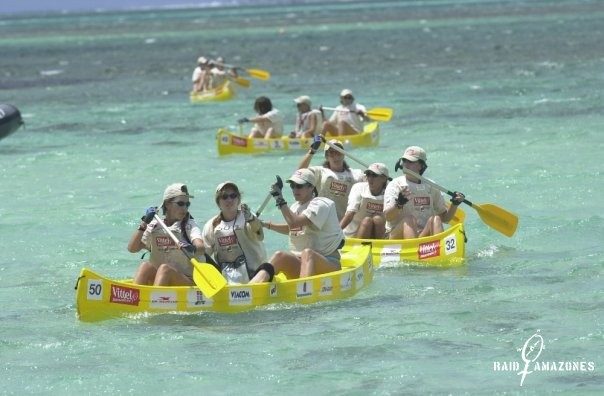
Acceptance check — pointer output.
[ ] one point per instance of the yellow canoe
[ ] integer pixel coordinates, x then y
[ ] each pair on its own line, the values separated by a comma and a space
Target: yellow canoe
229, 142
99, 298
446, 249
218, 94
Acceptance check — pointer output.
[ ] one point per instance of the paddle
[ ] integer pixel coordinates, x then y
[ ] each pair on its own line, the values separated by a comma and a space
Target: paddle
244, 82
268, 197
376, 113
459, 215
206, 277
492, 215
256, 73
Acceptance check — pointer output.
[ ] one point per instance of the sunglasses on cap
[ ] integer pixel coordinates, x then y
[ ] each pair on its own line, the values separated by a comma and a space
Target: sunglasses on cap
182, 203
296, 186
226, 196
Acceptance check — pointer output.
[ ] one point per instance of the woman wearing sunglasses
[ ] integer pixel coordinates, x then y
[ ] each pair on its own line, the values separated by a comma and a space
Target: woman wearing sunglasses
364, 216
313, 228
348, 118
235, 237
167, 265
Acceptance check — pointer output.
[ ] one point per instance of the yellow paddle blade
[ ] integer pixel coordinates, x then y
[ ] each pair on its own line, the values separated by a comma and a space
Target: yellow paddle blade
459, 216
497, 218
258, 73
207, 278
242, 82
380, 113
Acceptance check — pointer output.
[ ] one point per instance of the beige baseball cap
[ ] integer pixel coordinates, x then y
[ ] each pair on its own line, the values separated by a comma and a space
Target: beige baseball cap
303, 99
335, 142
202, 60
221, 186
378, 168
303, 176
176, 190
346, 92
415, 153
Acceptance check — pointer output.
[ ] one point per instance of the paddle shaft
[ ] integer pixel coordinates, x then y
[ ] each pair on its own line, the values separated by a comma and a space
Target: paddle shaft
377, 114
174, 238
424, 180
338, 149
268, 198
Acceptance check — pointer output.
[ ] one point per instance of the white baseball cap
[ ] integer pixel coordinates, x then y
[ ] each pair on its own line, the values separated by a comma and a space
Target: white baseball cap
303, 99
415, 153
303, 176
346, 92
176, 190
378, 168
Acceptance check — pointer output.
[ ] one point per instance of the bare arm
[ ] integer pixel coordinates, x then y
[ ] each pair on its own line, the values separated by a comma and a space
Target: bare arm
346, 219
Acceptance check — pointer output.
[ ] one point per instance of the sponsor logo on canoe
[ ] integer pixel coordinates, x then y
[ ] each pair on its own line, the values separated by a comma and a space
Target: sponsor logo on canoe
450, 244
360, 278
326, 287
375, 207
195, 298
346, 281
227, 240
273, 290
163, 300
240, 296
295, 143
95, 289
124, 295
260, 143
224, 139
391, 253
421, 201
338, 187
531, 351
277, 144
238, 141
304, 289
428, 249
164, 241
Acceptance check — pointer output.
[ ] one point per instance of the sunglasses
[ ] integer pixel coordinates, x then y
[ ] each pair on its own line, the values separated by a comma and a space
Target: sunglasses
296, 186
226, 196
182, 203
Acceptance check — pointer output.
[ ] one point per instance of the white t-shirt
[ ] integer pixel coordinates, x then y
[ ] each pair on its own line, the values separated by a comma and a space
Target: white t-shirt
363, 204
276, 122
425, 201
350, 117
164, 250
336, 185
324, 235
196, 74
303, 122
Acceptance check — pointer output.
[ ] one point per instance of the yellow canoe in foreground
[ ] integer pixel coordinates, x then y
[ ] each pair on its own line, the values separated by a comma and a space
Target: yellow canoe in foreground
229, 142
99, 298
446, 249
218, 94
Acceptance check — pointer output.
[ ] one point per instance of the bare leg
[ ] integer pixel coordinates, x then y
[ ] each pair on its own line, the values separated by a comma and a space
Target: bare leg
287, 263
345, 129
379, 227
405, 229
145, 274
170, 276
313, 263
330, 129
365, 228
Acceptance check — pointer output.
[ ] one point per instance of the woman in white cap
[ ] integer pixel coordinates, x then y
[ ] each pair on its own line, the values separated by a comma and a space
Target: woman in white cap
364, 216
201, 75
167, 265
235, 239
308, 121
269, 121
313, 228
414, 209
348, 118
218, 74
334, 177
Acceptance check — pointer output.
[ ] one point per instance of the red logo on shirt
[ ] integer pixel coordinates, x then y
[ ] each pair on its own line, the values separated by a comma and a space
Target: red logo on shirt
238, 141
338, 187
227, 240
375, 207
428, 249
124, 295
163, 241
421, 201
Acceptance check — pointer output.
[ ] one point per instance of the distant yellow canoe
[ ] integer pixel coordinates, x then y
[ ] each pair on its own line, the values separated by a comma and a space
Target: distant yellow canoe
446, 249
99, 298
229, 142
218, 94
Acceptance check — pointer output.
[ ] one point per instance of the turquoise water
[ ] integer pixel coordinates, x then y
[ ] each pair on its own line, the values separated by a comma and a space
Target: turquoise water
505, 96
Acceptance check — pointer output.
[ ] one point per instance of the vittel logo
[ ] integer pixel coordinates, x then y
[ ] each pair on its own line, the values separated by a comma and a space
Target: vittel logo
339, 187
429, 249
375, 207
124, 295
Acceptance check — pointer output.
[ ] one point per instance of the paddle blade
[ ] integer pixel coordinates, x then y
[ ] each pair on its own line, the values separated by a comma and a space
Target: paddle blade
259, 74
207, 278
497, 218
380, 114
242, 82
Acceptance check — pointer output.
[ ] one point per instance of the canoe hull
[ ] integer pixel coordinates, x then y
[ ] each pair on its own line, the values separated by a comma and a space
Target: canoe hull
10, 120
446, 249
219, 94
99, 298
229, 142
